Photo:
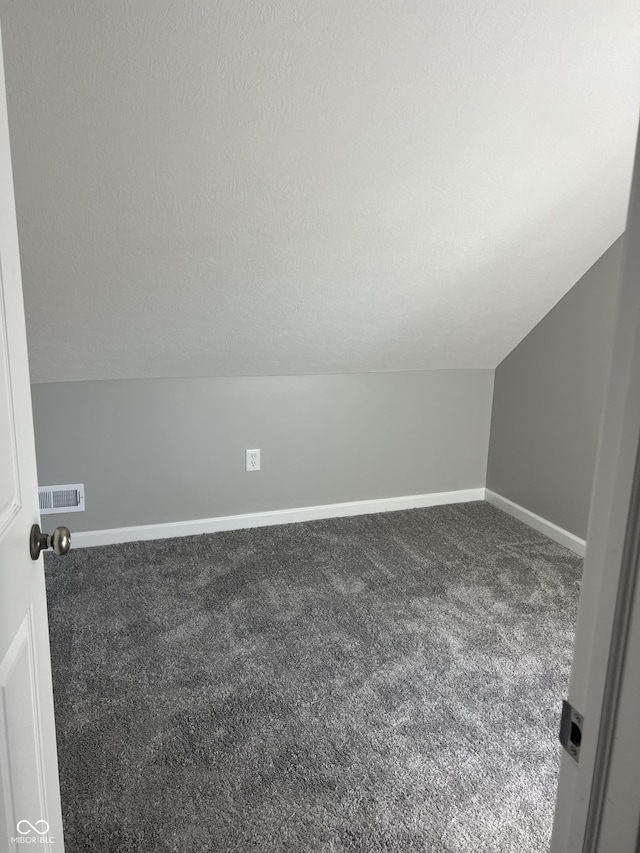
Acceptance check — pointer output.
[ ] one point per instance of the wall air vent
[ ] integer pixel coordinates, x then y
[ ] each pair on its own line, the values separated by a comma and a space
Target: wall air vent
68, 498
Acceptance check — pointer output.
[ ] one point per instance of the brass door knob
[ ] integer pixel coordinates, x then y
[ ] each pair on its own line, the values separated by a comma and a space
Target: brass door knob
59, 541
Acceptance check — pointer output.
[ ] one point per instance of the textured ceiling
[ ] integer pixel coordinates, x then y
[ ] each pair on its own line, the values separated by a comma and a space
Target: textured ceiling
271, 186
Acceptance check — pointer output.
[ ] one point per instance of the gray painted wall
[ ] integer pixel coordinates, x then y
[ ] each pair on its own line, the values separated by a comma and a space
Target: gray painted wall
547, 402
153, 451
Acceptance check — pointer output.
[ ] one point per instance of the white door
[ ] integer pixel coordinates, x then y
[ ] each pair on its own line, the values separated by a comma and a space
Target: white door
29, 791
598, 803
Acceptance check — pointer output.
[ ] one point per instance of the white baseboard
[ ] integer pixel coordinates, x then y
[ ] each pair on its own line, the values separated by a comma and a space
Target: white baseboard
145, 532
537, 522
117, 535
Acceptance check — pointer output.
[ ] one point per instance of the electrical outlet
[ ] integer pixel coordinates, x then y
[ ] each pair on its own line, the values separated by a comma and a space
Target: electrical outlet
252, 460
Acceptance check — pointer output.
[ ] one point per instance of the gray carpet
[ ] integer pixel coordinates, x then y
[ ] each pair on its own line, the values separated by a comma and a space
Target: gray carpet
383, 683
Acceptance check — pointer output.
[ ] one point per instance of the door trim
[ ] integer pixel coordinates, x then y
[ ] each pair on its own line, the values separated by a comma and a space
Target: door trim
622, 619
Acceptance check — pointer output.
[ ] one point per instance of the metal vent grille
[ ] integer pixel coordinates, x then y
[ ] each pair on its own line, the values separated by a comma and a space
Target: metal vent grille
67, 498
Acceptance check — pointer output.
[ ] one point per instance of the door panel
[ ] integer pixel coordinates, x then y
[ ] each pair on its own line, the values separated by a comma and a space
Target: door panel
19, 730
9, 484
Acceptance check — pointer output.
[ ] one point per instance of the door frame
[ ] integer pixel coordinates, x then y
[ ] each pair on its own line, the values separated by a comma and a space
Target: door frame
595, 806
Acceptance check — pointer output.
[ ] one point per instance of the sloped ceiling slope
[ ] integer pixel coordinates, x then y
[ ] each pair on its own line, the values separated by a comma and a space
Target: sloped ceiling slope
285, 186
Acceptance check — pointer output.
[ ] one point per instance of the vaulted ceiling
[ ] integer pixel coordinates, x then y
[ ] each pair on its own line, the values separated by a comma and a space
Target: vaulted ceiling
273, 187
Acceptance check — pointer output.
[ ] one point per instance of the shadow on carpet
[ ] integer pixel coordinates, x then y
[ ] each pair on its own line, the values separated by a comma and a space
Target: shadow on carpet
389, 682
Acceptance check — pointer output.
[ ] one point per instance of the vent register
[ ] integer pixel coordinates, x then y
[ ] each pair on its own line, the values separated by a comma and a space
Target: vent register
68, 498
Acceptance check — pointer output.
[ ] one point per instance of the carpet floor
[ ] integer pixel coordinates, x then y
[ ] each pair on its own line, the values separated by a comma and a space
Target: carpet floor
388, 682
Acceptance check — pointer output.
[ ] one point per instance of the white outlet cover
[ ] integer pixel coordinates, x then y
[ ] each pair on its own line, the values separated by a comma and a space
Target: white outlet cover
252, 460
